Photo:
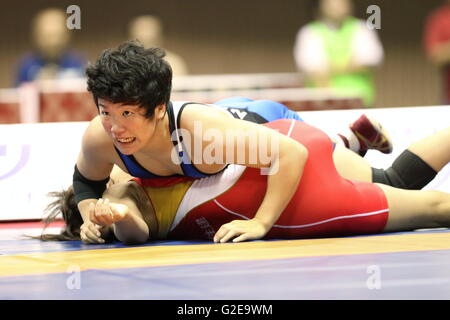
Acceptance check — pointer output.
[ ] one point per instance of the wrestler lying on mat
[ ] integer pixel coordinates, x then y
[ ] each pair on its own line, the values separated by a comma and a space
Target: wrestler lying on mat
325, 204
138, 127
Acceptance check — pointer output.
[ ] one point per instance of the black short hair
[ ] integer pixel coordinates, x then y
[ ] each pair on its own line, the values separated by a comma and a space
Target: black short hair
131, 74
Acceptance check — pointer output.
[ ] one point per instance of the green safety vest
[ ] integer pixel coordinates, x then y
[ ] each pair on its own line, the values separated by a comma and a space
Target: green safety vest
338, 49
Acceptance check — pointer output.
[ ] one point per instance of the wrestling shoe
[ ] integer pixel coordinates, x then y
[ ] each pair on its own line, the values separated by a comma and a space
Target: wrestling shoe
371, 135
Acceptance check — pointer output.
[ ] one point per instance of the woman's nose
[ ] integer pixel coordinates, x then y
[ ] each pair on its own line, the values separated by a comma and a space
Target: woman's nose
116, 127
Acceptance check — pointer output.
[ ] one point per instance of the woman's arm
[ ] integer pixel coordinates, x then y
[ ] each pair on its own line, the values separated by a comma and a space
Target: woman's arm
281, 186
123, 217
93, 167
120, 209
228, 140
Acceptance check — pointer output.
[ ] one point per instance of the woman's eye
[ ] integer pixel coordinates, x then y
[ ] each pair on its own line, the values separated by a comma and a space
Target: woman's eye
104, 113
127, 113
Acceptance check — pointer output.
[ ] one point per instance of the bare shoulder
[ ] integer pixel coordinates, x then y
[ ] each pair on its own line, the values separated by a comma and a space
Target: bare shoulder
95, 139
128, 191
96, 157
121, 190
215, 118
95, 133
207, 116
197, 111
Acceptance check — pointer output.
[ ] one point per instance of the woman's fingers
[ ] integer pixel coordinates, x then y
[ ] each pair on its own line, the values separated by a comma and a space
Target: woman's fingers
220, 233
90, 233
242, 237
92, 216
118, 211
100, 213
103, 212
99, 216
228, 236
226, 233
240, 230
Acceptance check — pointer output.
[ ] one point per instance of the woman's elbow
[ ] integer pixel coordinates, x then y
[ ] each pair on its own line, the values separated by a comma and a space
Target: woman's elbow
299, 152
131, 238
303, 151
292, 157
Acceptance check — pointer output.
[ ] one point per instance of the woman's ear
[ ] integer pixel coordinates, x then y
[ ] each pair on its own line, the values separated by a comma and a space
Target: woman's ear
160, 111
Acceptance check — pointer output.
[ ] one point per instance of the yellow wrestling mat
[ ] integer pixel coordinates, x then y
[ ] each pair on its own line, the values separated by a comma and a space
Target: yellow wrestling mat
170, 255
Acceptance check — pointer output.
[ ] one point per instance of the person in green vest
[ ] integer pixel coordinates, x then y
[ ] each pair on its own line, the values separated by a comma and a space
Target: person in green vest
339, 51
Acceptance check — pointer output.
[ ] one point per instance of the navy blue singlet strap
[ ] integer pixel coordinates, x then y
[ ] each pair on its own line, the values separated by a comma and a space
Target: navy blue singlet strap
133, 167
186, 164
136, 170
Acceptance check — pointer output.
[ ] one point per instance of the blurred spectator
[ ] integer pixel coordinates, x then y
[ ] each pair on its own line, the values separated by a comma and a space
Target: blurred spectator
148, 30
437, 43
338, 50
51, 58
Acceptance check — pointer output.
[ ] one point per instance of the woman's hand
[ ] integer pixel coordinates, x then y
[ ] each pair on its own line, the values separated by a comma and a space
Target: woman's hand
91, 233
241, 230
101, 215
105, 213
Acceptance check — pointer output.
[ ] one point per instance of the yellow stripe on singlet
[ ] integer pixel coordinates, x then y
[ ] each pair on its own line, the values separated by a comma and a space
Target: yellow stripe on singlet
152, 256
165, 202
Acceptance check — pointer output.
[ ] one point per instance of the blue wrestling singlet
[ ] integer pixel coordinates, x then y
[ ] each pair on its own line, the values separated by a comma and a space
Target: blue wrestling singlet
266, 110
258, 111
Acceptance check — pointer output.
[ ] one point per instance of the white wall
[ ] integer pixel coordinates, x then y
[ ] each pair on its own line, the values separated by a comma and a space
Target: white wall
405, 125
35, 159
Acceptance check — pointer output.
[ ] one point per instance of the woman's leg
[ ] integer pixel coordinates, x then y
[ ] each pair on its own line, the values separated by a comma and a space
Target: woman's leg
415, 209
350, 165
434, 149
418, 165
412, 169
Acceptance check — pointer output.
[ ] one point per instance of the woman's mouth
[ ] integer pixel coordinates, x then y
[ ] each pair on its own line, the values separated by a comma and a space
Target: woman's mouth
125, 140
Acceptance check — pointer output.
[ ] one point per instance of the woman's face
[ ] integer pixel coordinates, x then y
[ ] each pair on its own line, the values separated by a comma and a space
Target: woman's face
335, 10
127, 125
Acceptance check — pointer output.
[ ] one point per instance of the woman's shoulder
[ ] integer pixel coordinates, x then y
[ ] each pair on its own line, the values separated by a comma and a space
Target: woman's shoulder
194, 110
95, 137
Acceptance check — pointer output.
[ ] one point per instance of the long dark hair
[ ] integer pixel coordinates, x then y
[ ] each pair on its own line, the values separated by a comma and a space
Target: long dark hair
64, 204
